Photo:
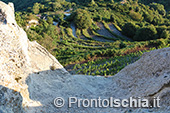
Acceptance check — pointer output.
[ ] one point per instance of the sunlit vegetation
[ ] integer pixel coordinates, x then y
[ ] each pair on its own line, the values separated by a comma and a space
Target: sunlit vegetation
71, 31
106, 67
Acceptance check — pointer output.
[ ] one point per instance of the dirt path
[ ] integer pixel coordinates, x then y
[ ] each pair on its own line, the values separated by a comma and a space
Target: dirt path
103, 31
101, 39
73, 27
97, 38
114, 30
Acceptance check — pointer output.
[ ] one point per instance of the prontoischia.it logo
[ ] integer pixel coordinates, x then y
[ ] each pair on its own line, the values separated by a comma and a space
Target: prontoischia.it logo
105, 103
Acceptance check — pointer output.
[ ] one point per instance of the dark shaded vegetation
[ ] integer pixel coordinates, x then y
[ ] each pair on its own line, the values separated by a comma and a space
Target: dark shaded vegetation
166, 3
22, 4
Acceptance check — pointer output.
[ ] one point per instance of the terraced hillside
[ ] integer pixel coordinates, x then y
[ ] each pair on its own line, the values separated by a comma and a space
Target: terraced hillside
97, 37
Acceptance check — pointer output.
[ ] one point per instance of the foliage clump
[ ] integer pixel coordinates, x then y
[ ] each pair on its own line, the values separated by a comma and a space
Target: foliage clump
129, 29
146, 33
82, 19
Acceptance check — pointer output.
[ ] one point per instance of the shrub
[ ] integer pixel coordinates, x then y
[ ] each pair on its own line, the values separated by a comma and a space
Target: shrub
165, 34
145, 33
160, 30
136, 16
113, 18
129, 29
122, 45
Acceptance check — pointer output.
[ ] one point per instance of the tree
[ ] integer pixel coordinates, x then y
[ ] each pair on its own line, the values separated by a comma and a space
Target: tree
56, 5
36, 8
19, 19
92, 3
31, 16
129, 29
61, 18
159, 7
82, 19
42, 7
165, 34
160, 30
44, 24
136, 16
148, 17
112, 1
146, 33
50, 20
157, 20
98, 18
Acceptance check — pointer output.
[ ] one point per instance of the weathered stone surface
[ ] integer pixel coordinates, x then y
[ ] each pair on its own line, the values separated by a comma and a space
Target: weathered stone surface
31, 78
18, 58
41, 59
149, 77
8, 10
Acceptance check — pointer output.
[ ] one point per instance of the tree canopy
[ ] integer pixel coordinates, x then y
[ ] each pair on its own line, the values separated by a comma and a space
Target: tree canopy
82, 19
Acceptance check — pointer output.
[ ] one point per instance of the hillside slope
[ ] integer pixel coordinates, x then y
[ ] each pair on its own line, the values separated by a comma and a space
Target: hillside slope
21, 3
166, 3
31, 78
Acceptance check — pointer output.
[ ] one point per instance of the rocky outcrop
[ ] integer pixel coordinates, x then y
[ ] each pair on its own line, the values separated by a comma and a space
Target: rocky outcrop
149, 77
18, 58
8, 11
31, 78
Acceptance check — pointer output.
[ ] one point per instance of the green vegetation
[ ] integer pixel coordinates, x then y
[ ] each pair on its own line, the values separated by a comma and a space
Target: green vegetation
146, 33
106, 67
82, 19
165, 3
129, 29
87, 48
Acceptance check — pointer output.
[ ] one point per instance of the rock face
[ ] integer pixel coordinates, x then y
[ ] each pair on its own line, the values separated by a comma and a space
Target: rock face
31, 78
19, 58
